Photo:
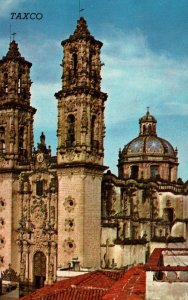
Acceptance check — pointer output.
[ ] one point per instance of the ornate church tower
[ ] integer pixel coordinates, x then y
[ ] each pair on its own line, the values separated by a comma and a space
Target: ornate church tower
80, 149
16, 140
16, 114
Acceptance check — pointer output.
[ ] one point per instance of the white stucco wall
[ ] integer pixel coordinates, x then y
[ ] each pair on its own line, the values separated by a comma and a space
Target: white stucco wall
156, 290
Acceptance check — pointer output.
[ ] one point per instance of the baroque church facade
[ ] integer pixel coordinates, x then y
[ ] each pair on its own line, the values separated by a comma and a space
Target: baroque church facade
56, 209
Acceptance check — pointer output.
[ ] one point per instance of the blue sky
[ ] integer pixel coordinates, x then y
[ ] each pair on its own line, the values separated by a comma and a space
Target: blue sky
145, 53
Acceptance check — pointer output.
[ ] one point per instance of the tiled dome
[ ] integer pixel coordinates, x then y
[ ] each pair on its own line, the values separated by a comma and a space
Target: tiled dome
148, 143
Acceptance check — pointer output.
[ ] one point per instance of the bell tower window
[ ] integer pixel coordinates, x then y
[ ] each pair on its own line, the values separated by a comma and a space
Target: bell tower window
90, 63
94, 142
39, 188
92, 129
71, 130
19, 85
75, 63
6, 83
21, 140
2, 140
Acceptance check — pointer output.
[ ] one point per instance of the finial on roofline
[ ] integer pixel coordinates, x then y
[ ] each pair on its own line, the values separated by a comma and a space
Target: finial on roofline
80, 9
148, 111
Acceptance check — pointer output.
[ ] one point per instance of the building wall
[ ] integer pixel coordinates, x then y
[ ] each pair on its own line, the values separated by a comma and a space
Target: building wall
79, 203
16, 214
165, 290
6, 193
120, 255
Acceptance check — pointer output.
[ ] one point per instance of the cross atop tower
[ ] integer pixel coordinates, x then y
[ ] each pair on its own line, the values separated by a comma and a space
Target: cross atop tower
80, 9
13, 36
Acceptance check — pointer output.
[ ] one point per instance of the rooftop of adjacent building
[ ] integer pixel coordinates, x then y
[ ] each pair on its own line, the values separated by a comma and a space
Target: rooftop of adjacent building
93, 285
112, 285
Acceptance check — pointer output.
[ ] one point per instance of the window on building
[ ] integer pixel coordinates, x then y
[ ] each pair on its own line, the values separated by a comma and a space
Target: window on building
94, 142
134, 172
2, 140
75, 63
70, 130
39, 188
6, 82
19, 86
134, 232
21, 140
169, 214
124, 231
90, 63
154, 171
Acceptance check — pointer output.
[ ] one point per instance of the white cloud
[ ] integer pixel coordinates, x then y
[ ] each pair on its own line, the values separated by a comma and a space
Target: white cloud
135, 77
8, 5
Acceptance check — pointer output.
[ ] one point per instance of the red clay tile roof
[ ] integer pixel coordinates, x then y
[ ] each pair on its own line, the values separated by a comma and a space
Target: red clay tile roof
89, 286
132, 286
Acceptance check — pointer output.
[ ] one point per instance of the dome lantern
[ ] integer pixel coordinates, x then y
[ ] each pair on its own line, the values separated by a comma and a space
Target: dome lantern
148, 124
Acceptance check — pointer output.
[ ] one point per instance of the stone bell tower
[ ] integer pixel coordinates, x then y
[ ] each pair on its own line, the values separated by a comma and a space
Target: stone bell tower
16, 114
80, 149
16, 141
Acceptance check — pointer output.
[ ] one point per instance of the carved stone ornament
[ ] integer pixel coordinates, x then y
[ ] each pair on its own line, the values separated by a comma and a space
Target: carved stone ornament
38, 214
40, 157
22, 118
2, 223
84, 121
2, 204
70, 105
2, 241
69, 225
38, 238
3, 119
95, 107
12, 134
3, 162
69, 245
70, 155
69, 204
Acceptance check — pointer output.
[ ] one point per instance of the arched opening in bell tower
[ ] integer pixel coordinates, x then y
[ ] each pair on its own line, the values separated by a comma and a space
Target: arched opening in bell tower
94, 141
70, 130
2, 140
19, 85
6, 82
21, 140
75, 63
